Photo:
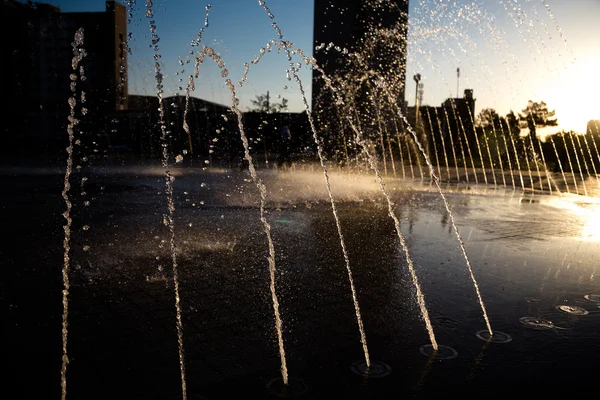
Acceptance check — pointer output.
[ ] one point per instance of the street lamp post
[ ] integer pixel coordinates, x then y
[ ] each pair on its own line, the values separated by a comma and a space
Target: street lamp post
417, 79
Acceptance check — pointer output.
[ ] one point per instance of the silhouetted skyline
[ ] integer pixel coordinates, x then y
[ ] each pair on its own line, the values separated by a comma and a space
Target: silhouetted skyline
509, 56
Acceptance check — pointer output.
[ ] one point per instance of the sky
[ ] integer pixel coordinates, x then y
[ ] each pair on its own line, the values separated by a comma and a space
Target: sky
508, 51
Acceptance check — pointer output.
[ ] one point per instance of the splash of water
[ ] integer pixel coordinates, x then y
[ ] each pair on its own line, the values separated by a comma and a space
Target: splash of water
381, 83
267, 229
510, 168
452, 146
562, 171
409, 262
570, 134
191, 86
78, 55
548, 174
472, 122
447, 205
170, 202
591, 158
363, 337
514, 146
585, 164
208, 51
373, 165
466, 140
294, 70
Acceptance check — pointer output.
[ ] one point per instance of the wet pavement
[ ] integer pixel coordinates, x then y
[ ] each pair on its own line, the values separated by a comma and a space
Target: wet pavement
532, 254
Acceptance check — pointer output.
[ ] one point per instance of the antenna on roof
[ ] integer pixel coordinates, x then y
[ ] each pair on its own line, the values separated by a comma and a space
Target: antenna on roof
457, 78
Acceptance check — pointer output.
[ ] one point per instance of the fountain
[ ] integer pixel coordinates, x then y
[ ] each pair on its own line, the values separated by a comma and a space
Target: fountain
462, 251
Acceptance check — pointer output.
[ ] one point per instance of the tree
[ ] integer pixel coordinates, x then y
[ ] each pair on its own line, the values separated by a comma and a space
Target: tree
536, 115
263, 104
488, 117
513, 124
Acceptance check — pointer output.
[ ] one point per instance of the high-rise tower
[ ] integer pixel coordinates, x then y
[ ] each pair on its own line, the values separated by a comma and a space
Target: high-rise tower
374, 29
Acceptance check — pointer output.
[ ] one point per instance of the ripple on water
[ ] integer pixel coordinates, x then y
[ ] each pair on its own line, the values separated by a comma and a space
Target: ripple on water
594, 298
377, 369
443, 352
497, 337
536, 323
295, 388
574, 310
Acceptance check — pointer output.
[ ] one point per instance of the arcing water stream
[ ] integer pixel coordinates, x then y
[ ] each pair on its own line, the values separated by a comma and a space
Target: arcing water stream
169, 179
78, 55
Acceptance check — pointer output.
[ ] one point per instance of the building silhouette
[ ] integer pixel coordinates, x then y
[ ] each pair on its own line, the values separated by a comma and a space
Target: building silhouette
39, 62
449, 128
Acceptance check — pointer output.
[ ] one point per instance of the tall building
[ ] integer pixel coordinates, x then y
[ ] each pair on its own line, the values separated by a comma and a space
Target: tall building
38, 60
376, 30
106, 60
357, 44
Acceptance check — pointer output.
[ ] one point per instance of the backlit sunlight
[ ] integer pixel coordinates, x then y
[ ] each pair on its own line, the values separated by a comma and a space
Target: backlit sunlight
574, 95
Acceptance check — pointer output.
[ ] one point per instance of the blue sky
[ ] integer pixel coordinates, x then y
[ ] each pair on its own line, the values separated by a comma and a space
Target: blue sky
508, 51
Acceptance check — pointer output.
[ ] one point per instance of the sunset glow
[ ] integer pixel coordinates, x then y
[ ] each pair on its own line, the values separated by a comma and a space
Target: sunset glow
574, 95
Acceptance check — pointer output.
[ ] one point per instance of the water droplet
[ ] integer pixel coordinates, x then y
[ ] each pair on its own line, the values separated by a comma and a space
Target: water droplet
206, 162
86, 248
86, 227
203, 184
179, 159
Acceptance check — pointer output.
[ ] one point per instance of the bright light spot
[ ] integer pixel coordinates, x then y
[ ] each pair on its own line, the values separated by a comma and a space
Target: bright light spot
591, 229
574, 94
587, 214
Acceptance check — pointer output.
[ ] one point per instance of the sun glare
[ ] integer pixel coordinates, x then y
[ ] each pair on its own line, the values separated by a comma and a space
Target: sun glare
591, 229
588, 214
574, 94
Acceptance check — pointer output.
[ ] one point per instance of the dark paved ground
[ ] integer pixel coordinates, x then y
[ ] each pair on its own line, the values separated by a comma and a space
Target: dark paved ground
530, 254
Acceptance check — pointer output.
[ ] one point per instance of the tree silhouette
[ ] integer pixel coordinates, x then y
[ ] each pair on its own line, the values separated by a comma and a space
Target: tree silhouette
263, 104
488, 117
536, 115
